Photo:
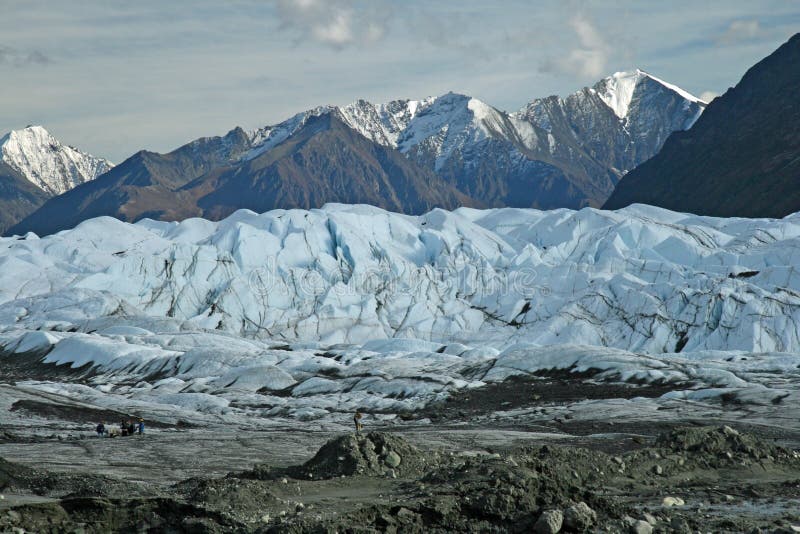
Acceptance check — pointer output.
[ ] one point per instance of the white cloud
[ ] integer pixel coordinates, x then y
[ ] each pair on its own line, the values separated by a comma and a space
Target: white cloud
588, 57
738, 31
337, 23
708, 96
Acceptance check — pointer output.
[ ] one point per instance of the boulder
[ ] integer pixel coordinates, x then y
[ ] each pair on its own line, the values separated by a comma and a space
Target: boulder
641, 527
672, 501
392, 459
549, 522
579, 517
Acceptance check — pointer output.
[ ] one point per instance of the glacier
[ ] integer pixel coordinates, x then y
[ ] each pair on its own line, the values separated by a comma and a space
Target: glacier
309, 314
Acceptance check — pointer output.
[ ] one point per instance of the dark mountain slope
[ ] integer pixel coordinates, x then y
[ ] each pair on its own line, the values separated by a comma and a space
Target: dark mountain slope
325, 161
741, 158
18, 197
144, 185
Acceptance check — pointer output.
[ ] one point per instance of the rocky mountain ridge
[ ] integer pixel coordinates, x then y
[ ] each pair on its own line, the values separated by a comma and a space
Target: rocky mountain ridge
741, 159
406, 155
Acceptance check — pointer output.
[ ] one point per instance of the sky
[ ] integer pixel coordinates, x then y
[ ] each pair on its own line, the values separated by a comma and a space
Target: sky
113, 77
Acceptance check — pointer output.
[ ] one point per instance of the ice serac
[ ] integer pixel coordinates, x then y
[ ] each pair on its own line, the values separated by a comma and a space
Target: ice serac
641, 279
313, 312
47, 163
741, 158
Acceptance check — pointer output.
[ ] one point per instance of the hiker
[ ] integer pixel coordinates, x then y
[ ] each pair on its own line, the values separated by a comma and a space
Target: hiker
141, 426
131, 427
123, 428
101, 429
357, 421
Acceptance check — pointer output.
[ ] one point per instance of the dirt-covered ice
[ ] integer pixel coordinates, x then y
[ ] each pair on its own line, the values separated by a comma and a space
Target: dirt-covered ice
686, 479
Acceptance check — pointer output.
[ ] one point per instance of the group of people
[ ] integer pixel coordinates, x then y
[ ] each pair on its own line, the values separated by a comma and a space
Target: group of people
128, 428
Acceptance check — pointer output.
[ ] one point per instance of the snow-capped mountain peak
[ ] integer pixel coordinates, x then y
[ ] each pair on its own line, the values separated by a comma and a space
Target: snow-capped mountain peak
264, 139
484, 150
448, 123
617, 90
46, 162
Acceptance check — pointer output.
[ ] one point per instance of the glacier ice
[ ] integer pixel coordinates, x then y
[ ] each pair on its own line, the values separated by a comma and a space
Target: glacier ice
302, 313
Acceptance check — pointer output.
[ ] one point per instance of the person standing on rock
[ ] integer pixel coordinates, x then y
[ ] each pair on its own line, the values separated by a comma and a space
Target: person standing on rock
101, 429
140, 427
357, 421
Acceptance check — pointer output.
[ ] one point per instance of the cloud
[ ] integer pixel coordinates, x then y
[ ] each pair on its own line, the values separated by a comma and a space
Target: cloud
588, 57
739, 31
18, 58
337, 23
708, 96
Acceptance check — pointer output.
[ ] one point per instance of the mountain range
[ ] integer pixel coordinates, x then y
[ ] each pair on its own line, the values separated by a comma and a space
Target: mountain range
742, 158
554, 152
405, 155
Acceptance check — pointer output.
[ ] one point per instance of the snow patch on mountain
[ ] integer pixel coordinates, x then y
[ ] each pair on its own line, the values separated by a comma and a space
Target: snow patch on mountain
45, 161
618, 89
266, 138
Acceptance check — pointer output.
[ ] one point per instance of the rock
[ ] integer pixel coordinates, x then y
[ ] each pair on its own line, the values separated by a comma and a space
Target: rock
579, 517
728, 431
641, 527
658, 470
678, 524
650, 518
549, 522
13, 516
672, 501
364, 454
392, 459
